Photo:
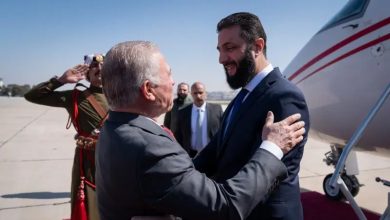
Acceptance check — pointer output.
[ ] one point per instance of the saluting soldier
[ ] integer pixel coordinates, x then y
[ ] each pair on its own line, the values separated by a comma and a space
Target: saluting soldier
87, 108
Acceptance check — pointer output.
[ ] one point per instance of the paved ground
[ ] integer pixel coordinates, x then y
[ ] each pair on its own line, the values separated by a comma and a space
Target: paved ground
372, 196
36, 154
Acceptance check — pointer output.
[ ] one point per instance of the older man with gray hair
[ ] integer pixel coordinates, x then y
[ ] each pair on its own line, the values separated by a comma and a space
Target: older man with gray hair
142, 171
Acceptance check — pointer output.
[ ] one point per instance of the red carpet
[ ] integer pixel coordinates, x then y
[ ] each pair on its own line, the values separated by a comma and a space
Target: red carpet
317, 207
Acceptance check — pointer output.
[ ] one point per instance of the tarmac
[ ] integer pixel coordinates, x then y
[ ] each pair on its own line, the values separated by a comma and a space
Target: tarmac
36, 154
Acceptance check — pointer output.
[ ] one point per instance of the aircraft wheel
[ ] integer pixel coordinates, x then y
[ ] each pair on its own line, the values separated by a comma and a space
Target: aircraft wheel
351, 182
334, 194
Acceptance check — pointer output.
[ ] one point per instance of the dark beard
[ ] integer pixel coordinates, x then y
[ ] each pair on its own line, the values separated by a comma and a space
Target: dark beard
244, 73
181, 98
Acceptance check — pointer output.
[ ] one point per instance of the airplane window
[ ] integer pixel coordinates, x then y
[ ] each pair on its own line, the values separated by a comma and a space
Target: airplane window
352, 10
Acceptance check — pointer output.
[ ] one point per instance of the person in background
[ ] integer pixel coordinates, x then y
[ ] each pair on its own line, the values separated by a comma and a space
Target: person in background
242, 45
199, 122
87, 110
182, 100
142, 171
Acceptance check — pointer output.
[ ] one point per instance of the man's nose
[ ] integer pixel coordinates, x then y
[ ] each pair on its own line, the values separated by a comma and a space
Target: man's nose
222, 58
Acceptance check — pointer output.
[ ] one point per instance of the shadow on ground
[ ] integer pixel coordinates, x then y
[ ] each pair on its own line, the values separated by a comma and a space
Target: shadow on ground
38, 195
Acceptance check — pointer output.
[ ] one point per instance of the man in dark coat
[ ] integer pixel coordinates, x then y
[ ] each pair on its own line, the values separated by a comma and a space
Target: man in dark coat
199, 122
183, 100
242, 52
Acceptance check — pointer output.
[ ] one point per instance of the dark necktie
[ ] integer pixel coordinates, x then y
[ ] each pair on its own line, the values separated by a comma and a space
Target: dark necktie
236, 106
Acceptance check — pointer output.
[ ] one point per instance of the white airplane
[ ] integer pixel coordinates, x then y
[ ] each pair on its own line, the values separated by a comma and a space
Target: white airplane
344, 73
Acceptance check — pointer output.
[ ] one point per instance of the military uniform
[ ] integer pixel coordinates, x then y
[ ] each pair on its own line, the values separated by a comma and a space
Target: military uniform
88, 120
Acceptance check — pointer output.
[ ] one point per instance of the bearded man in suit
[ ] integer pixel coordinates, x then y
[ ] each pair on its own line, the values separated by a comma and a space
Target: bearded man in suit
242, 46
183, 100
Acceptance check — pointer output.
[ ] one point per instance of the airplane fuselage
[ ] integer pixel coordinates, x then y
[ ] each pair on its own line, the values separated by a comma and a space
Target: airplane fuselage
342, 72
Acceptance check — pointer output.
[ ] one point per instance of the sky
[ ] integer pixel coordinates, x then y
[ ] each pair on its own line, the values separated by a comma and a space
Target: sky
43, 38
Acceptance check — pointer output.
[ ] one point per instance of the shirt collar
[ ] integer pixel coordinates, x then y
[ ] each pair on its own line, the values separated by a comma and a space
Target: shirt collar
258, 78
150, 119
202, 108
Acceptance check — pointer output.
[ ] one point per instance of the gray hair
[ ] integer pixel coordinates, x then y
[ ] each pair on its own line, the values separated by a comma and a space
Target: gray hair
126, 67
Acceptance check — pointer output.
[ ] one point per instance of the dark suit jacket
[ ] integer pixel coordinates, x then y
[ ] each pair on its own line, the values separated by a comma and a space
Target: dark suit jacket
141, 170
170, 118
224, 156
183, 133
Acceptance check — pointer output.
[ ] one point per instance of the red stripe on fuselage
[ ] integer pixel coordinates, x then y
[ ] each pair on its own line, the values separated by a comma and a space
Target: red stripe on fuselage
339, 45
364, 46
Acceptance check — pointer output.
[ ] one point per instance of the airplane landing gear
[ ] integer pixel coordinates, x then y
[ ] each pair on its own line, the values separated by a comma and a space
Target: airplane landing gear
343, 159
351, 181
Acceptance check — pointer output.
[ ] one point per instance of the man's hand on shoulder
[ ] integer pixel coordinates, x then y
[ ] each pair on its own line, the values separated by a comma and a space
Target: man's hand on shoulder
286, 133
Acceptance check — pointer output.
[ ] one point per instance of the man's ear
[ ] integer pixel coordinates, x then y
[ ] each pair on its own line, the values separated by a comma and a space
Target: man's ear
259, 46
147, 90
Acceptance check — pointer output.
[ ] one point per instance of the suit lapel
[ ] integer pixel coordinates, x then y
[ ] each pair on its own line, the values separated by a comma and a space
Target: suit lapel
208, 114
187, 123
252, 98
149, 126
223, 123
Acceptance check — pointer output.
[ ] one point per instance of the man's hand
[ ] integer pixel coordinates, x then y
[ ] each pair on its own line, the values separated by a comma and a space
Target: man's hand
286, 133
74, 74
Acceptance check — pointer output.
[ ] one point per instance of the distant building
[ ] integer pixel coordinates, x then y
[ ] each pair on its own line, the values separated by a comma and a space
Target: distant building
221, 96
13, 89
